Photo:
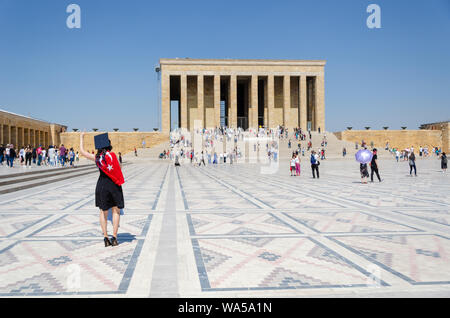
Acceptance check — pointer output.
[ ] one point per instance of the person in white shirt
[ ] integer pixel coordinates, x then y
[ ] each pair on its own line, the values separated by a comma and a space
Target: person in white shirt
22, 156
293, 165
51, 155
44, 157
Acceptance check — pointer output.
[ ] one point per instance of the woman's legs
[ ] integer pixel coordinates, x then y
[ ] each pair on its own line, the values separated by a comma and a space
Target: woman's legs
103, 222
116, 220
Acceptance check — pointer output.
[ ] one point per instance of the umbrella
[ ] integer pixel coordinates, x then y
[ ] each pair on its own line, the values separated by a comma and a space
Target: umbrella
363, 156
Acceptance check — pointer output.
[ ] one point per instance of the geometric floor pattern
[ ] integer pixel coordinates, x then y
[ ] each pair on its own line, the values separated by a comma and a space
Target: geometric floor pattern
230, 230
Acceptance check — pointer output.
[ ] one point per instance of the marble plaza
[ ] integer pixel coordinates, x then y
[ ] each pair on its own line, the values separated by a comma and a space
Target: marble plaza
230, 231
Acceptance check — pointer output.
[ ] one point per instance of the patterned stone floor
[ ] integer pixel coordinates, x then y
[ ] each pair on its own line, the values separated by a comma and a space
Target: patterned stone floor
231, 231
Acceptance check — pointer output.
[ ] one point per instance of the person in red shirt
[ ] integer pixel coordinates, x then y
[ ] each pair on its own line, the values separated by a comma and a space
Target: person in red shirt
108, 193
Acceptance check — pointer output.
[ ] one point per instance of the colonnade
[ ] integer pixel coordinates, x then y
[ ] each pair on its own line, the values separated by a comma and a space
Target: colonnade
290, 100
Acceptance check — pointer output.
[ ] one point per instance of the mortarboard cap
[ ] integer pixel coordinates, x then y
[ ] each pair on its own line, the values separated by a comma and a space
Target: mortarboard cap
102, 141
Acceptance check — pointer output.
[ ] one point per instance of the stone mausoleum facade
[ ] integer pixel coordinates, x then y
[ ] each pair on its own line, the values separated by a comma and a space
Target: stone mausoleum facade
21, 130
242, 93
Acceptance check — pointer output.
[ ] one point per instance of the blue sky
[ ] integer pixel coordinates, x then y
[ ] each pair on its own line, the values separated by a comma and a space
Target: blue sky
102, 75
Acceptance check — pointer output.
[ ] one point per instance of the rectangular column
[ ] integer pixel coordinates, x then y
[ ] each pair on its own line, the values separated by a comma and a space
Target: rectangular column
20, 134
271, 101
183, 102
287, 102
232, 116
320, 103
33, 138
200, 100
254, 116
303, 104
1, 135
165, 103
217, 100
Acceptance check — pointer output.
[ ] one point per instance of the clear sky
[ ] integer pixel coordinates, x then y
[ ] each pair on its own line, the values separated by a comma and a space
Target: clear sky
102, 75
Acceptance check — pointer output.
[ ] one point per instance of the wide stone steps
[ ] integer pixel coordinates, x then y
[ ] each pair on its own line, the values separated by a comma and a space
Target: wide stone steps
25, 180
332, 150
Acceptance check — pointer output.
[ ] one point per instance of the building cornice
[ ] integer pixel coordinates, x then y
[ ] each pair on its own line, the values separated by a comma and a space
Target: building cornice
241, 62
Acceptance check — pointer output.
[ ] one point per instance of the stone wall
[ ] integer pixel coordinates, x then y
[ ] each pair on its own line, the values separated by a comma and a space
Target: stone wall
397, 138
446, 137
22, 130
123, 142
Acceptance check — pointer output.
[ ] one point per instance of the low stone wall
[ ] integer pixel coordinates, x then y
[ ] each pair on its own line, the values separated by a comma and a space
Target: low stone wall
446, 138
123, 142
400, 139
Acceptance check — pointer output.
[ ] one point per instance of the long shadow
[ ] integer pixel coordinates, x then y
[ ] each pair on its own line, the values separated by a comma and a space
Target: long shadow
126, 237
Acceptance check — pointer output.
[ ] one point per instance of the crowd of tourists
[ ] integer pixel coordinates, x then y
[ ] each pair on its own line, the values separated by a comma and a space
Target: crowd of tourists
28, 156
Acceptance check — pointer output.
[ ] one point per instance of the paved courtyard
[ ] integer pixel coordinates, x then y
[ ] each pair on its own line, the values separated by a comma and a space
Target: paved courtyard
229, 230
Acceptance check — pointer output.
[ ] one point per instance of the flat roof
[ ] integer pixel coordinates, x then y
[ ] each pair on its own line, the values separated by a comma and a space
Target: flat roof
439, 122
28, 117
184, 61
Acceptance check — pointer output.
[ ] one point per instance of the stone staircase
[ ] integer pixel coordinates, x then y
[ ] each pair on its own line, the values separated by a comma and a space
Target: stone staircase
22, 179
145, 154
333, 150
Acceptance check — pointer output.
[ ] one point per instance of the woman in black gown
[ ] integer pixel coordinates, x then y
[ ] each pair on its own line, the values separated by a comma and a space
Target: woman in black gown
108, 193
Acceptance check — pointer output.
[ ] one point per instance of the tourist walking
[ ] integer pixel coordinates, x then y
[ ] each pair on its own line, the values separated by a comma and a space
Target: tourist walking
22, 156
202, 160
71, 156
364, 172
315, 164
108, 193
412, 164
444, 162
12, 156
7, 151
297, 164
374, 166
292, 165
2, 153
28, 155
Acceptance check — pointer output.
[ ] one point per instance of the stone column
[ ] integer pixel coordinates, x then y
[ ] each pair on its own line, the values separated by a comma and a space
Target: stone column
320, 103
271, 101
200, 100
165, 103
232, 115
22, 137
303, 104
217, 100
254, 117
1, 134
287, 120
183, 102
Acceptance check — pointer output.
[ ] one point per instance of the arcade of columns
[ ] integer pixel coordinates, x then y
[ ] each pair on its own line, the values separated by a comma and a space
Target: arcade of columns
290, 93
22, 131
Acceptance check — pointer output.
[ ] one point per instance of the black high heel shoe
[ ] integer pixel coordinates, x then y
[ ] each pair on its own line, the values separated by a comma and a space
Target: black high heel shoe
107, 242
114, 241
